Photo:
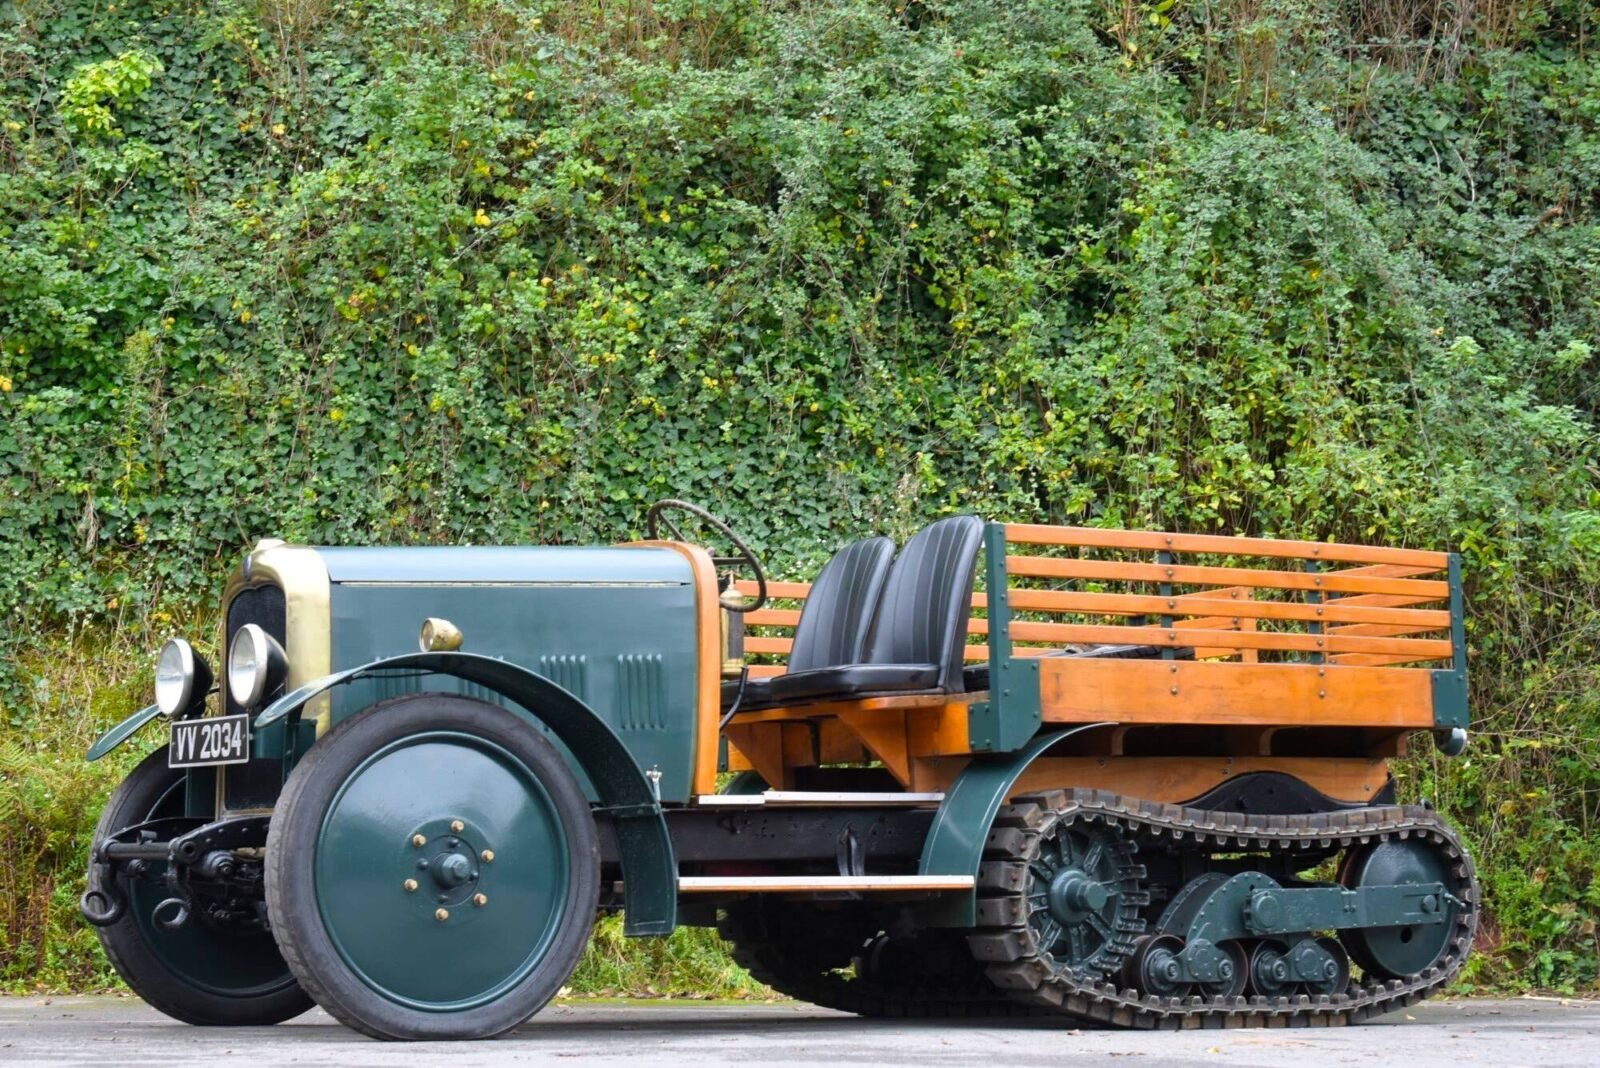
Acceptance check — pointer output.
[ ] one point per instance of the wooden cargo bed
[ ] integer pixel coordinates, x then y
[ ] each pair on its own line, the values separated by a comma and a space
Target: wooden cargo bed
1311, 658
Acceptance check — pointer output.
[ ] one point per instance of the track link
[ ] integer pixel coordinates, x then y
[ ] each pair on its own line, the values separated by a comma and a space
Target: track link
1035, 982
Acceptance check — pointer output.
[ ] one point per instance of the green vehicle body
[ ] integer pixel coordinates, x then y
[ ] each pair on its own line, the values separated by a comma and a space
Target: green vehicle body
603, 651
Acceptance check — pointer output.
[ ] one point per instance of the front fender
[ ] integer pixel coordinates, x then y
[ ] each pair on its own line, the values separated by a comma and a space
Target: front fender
649, 867
122, 732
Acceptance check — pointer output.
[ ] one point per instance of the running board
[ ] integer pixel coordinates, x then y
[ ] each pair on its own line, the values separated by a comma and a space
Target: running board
788, 884
819, 798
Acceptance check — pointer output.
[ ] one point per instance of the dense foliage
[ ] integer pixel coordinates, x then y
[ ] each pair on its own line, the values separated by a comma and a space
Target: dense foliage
502, 270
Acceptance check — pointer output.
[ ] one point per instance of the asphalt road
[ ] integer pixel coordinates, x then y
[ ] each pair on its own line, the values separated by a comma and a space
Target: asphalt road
106, 1031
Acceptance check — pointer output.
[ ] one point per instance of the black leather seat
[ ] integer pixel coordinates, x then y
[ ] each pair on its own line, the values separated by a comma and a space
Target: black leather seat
920, 632
836, 618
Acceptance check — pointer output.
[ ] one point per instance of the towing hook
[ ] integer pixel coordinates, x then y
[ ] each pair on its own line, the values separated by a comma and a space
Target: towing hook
102, 908
178, 918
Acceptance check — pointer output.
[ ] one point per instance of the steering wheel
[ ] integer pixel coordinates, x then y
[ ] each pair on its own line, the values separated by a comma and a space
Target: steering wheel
657, 517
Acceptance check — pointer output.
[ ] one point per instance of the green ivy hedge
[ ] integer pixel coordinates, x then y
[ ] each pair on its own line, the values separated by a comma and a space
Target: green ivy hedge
352, 271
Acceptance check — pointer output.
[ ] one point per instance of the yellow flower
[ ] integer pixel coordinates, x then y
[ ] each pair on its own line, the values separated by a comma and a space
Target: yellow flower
481, 218
245, 316
665, 216
5, 383
412, 349
279, 129
336, 414
168, 323
816, 407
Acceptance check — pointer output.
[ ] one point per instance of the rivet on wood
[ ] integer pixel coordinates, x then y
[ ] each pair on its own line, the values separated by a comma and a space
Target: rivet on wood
1174, 691
1322, 693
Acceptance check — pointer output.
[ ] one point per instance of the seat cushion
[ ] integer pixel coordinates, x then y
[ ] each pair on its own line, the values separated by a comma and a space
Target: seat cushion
850, 680
756, 692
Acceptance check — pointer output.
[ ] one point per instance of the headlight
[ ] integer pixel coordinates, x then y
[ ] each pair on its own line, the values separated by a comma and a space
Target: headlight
256, 665
183, 678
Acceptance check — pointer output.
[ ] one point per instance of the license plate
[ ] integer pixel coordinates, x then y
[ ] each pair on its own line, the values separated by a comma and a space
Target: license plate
200, 743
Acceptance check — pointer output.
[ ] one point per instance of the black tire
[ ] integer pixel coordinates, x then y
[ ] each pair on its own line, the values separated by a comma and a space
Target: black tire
325, 778
150, 958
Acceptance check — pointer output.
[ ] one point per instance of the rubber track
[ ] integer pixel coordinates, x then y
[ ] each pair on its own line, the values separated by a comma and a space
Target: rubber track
1034, 982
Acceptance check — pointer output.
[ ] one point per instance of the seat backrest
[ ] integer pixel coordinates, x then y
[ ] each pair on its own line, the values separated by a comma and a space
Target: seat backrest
927, 600
838, 612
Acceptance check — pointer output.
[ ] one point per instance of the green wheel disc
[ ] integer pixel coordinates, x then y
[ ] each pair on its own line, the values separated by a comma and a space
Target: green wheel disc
441, 871
1399, 952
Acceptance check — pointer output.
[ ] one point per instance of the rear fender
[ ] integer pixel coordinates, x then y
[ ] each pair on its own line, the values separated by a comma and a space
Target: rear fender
649, 867
954, 845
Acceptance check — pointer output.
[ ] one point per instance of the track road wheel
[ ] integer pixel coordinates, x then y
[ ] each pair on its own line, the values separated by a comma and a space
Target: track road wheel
1399, 952
197, 973
432, 870
1270, 973
1154, 967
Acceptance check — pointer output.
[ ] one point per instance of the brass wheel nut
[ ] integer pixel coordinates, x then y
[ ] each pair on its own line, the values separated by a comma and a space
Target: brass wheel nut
441, 914
480, 900
457, 826
488, 856
410, 885
419, 840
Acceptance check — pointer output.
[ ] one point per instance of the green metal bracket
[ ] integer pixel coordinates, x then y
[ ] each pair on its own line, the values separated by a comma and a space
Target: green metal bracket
954, 845
649, 866
1450, 684
1011, 716
1252, 904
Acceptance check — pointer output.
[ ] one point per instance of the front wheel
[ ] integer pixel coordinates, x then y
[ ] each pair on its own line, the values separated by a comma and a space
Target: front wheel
202, 972
432, 870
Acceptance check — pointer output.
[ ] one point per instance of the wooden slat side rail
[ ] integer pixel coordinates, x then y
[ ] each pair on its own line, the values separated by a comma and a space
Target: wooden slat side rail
1153, 541
1191, 575
1201, 604
1221, 693
793, 591
1202, 638
773, 617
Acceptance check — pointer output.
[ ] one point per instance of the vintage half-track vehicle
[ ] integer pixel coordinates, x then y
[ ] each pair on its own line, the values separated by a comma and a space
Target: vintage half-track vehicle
1135, 778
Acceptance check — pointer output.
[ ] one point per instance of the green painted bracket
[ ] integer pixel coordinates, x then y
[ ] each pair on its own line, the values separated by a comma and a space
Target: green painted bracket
1011, 716
649, 865
1450, 684
122, 732
954, 845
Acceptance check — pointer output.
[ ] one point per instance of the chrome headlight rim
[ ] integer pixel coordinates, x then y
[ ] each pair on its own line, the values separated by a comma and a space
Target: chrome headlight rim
175, 676
256, 664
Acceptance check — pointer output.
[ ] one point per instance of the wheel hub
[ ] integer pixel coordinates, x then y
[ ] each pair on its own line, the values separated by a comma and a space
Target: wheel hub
454, 856
1074, 893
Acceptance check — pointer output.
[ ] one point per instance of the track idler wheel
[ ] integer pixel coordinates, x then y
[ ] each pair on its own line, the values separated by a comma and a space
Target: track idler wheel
1400, 952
